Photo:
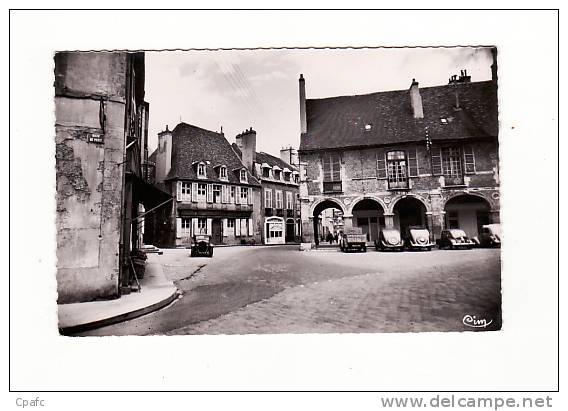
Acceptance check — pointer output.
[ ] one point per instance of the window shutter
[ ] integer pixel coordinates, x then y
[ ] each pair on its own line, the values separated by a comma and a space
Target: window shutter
326, 163
249, 196
209, 193
225, 227
178, 227
237, 227
209, 224
194, 192
250, 227
336, 167
436, 154
178, 191
381, 165
412, 163
243, 226
469, 160
193, 226
224, 194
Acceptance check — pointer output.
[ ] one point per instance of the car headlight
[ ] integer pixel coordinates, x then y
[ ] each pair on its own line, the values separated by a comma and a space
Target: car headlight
421, 240
393, 240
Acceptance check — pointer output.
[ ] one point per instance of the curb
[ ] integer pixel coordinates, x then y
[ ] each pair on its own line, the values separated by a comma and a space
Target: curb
74, 329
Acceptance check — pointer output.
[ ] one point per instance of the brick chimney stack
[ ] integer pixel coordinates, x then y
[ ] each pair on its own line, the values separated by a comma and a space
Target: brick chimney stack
247, 144
416, 100
164, 155
303, 121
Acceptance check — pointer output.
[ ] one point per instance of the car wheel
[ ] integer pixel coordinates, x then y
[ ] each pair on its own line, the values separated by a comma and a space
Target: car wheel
364, 249
211, 253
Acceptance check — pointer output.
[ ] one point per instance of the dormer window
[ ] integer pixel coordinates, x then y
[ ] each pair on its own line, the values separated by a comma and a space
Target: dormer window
223, 173
368, 127
201, 173
243, 175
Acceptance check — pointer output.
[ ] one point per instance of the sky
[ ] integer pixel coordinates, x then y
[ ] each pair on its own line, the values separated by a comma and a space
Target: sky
239, 89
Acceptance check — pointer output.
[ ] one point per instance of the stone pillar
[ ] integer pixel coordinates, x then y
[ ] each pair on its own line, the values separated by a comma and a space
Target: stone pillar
437, 226
389, 220
308, 230
494, 216
347, 222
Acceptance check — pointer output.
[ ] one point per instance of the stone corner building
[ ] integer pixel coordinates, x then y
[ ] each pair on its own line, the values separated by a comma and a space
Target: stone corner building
422, 156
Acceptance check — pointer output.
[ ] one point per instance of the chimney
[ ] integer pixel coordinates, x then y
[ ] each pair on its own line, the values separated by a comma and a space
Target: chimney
416, 100
247, 146
289, 155
303, 122
164, 155
494, 65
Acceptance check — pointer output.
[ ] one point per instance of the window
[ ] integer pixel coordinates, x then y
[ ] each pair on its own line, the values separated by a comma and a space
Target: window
231, 223
186, 227
267, 198
265, 172
278, 199
201, 170
243, 175
452, 165
216, 193
331, 173
185, 191
202, 226
232, 194
396, 169
201, 192
277, 174
223, 173
289, 205
286, 176
244, 196
296, 178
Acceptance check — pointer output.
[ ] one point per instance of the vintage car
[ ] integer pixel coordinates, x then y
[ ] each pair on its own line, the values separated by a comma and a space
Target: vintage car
417, 238
201, 246
455, 238
490, 235
353, 239
389, 239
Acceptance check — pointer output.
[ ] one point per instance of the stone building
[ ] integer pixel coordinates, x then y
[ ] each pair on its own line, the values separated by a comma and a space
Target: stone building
422, 156
279, 209
214, 193
101, 145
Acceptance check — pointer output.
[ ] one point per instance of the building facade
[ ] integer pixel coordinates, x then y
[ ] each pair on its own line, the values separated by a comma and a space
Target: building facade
101, 143
279, 180
423, 156
213, 192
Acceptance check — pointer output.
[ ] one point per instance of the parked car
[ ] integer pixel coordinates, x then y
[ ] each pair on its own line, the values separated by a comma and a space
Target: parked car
490, 235
201, 246
455, 238
418, 238
353, 239
389, 239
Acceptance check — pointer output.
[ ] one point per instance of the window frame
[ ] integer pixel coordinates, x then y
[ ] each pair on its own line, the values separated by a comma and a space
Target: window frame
397, 169
201, 166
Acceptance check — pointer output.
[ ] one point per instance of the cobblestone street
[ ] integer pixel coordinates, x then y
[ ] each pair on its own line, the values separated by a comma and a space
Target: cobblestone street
281, 290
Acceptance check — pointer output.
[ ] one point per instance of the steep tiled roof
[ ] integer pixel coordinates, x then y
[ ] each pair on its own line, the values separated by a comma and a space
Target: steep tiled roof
273, 161
340, 121
192, 144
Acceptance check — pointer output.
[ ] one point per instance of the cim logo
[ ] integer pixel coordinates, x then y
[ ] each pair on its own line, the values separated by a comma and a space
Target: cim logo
473, 321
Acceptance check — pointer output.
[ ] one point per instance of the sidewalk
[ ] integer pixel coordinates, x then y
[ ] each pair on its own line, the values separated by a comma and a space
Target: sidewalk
157, 292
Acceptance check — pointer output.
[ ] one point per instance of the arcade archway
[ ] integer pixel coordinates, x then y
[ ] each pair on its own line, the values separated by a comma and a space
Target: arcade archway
368, 214
409, 212
467, 212
328, 221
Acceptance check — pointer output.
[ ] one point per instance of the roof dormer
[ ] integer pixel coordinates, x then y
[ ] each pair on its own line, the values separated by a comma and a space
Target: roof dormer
222, 172
200, 168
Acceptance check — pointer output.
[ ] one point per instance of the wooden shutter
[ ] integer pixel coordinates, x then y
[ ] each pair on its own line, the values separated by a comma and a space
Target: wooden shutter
209, 226
209, 193
381, 165
178, 227
194, 226
326, 163
436, 153
412, 163
336, 167
237, 227
250, 227
225, 227
194, 192
178, 190
243, 226
249, 196
469, 160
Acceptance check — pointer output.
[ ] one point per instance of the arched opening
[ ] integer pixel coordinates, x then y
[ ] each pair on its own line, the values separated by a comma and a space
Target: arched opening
368, 214
410, 212
467, 212
328, 222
